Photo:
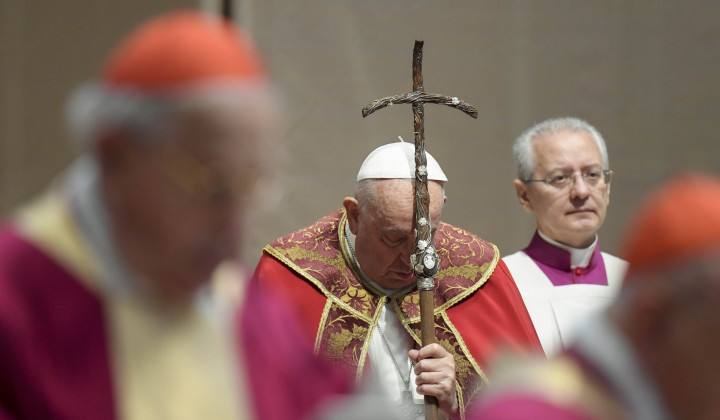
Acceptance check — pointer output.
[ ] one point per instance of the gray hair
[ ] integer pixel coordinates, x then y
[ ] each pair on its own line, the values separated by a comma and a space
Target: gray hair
524, 154
94, 108
365, 191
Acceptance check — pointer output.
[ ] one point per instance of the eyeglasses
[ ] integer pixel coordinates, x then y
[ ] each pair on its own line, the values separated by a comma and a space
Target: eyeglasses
592, 177
206, 180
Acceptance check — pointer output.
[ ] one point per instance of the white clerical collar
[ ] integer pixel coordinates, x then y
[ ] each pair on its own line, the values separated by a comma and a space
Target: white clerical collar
604, 345
83, 188
351, 243
579, 257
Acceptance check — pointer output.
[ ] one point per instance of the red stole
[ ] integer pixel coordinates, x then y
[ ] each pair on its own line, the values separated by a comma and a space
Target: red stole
340, 309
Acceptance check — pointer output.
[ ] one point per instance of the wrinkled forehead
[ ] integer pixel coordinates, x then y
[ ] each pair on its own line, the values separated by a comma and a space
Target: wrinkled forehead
395, 199
566, 148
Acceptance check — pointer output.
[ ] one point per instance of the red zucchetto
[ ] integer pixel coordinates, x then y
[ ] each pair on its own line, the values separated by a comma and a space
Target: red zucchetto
679, 220
183, 49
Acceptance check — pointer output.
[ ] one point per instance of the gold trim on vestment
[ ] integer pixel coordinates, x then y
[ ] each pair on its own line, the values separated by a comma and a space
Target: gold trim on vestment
325, 244
321, 327
331, 300
280, 257
471, 360
404, 321
366, 344
464, 348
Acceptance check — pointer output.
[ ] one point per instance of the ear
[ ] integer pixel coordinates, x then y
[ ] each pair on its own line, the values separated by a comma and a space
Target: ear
353, 212
521, 189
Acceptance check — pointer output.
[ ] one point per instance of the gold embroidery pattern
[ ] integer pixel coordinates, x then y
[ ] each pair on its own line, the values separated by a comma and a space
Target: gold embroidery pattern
339, 341
358, 299
476, 378
278, 254
466, 262
343, 337
323, 320
465, 351
366, 344
316, 254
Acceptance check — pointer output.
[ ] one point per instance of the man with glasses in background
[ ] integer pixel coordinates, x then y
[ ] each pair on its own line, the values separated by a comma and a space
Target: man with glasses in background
564, 180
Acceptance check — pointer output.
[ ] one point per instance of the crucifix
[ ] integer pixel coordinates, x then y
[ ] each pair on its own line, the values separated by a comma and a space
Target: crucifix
424, 260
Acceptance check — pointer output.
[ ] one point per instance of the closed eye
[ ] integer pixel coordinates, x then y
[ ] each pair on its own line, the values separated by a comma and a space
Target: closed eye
394, 238
394, 243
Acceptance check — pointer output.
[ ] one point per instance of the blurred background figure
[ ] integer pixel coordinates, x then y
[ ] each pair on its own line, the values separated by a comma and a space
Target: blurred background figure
653, 353
563, 178
106, 305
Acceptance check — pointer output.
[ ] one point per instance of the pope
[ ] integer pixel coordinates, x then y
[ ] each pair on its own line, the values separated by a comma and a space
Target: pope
348, 279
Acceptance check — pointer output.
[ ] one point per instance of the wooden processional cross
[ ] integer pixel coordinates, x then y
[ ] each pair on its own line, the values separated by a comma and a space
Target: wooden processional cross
424, 261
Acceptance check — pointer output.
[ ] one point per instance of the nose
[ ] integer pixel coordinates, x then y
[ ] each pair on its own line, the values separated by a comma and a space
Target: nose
405, 252
579, 188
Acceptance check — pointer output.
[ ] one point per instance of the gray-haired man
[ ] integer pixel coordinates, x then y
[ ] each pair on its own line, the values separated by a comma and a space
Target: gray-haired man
564, 180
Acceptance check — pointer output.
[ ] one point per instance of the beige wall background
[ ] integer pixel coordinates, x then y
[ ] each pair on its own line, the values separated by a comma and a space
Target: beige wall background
645, 73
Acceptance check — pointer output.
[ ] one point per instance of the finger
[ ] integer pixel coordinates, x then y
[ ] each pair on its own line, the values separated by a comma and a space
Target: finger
413, 355
434, 378
442, 391
435, 365
433, 350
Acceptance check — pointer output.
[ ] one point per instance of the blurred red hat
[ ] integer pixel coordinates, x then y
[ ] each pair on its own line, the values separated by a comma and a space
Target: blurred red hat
679, 220
182, 49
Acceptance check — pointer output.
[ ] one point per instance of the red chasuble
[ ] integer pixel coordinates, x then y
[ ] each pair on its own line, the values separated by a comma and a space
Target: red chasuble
478, 309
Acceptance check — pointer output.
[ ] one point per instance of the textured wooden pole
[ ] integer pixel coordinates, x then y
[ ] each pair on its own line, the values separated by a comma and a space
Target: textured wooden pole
427, 326
424, 260
422, 212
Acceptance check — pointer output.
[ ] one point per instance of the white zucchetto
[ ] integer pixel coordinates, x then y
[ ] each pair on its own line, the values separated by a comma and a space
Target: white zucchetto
397, 161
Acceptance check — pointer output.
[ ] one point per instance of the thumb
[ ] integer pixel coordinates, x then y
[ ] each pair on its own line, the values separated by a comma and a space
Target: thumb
414, 354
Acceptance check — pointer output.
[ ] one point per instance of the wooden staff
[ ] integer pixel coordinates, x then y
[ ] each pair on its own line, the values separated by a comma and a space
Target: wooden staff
227, 9
424, 260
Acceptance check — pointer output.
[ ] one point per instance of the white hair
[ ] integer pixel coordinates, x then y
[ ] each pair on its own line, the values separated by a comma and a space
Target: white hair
524, 155
366, 190
94, 108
